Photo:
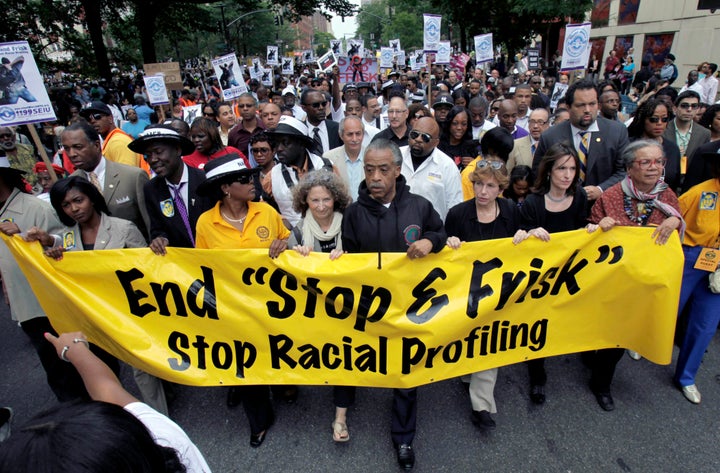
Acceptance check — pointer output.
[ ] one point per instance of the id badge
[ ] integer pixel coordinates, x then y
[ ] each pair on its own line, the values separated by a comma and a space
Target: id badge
708, 260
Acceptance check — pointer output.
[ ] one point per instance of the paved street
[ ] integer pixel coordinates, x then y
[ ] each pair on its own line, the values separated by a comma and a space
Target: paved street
653, 428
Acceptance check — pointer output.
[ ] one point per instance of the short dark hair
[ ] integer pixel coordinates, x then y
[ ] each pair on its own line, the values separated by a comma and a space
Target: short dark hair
584, 84
688, 94
497, 141
86, 128
61, 188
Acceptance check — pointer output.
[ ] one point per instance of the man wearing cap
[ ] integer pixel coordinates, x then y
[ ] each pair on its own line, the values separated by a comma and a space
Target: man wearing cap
442, 106
388, 217
292, 145
398, 130
669, 71
248, 126
171, 199
121, 185
19, 213
114, 140
290, 99
428, 171
322, 132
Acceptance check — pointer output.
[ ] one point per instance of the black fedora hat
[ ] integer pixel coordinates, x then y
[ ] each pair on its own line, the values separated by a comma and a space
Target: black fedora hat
164, 134
219, 169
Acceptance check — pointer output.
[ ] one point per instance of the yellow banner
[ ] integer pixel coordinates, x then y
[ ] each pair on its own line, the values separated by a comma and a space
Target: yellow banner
218, 317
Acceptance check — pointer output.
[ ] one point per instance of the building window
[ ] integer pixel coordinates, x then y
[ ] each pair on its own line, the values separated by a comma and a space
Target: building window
656, 47
622, 44
628, 12
600, 13
597, 47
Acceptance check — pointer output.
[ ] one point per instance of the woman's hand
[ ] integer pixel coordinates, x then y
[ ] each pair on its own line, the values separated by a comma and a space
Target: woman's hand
454, 242
303, 250
66, 340
55, 252
591, 227
520, 236
335, 254
606, 223
540, 233
277, 247
664, 230
38, 234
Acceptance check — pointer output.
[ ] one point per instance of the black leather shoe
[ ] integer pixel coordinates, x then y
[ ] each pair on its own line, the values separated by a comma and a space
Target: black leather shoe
233, 396
258, 439
537, 394
605, 401
405, 456
483, 420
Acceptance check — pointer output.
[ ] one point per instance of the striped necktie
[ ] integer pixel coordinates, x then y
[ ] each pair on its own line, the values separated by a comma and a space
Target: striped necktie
93, 178
582, 153
318, 142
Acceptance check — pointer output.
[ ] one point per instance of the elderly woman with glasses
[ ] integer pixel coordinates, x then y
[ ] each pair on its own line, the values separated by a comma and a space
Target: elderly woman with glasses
485, 217
651, 120
642, 198
558, 204
237, 222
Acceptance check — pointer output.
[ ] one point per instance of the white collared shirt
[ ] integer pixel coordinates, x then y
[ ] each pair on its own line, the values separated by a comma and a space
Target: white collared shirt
577, 138
99, 172
185, 179
323, 132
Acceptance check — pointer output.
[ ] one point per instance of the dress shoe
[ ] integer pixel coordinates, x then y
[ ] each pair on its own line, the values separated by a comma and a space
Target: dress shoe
233, 396
257, 439
537, 394
691, 393
605, 400
405, 456
483, 420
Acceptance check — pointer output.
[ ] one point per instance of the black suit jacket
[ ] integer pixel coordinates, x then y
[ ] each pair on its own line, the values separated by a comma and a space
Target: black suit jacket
333, 129
173, 227
605, 166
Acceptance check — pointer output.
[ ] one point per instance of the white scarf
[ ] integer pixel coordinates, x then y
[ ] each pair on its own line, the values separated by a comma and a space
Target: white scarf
311, 228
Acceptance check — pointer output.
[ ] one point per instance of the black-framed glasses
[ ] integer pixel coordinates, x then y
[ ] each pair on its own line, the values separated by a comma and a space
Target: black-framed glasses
322, 104
5, 135
688, 105
658, 119
483, 163
260, 150
426, 137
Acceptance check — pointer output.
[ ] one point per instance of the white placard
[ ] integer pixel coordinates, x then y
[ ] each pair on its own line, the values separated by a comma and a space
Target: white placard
395, 45
443, 53
386, 57
191, 113
483, 48
256, 68
336, 47
558, 93
576, 48
23, 98
267, 77
356, 47
308, 57
288, 66
420, 60
156, 90
271, 57
230, 76
431, 32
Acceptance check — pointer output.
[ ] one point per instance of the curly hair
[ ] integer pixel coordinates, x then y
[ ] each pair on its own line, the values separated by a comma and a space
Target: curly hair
636, 129
708, 116
320, 178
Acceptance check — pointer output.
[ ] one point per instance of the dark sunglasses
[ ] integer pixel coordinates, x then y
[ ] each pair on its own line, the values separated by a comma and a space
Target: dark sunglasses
414, 135
687, 105
95, 116
495, 109
260, 150
244, 178
658, 119
6, 135
322, 104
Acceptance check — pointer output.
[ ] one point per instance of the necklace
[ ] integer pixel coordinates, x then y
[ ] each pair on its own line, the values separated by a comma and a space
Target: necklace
553, 199
644, 209
233, 220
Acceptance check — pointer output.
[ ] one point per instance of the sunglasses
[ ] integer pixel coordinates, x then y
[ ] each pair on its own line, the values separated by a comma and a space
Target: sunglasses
414, 135
322, 104
6, 135
95, 116
483, 163
244, 179
495, 109
686, 105
260, 150
658, 119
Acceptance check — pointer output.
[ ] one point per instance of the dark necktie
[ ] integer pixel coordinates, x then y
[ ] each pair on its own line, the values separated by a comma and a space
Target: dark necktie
182, 210
582, 153
318, 141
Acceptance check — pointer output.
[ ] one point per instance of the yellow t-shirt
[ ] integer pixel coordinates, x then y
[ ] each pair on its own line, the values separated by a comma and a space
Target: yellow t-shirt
701, 210
115, 148
467, 185
262, 226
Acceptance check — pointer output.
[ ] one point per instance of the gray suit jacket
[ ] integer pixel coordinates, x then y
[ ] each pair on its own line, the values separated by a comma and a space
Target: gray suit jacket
604, 162
113, 234
123, 192
699, 136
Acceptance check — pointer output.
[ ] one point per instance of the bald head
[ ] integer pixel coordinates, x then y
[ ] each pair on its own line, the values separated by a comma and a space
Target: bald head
508, 114
428, 125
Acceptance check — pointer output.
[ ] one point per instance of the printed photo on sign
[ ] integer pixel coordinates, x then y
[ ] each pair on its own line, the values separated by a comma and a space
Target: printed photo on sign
558, 93
327, 61
420, 58
230, 76
395, 45
401, 58
23, 97
308, 56
336, 47
356, 47
267, 77
271, 57
157, 93
288, 66
191, 113
256, 69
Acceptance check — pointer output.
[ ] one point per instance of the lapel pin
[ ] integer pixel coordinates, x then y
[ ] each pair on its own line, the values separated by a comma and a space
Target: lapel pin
598, 140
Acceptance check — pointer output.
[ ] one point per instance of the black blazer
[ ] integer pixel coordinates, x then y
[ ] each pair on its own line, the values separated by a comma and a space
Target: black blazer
173, 228
333, 129
605, 166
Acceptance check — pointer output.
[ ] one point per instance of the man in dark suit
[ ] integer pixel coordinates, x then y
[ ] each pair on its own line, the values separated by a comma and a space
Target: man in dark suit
603, 140
683, 131
121, 185
170, 197
323, 132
